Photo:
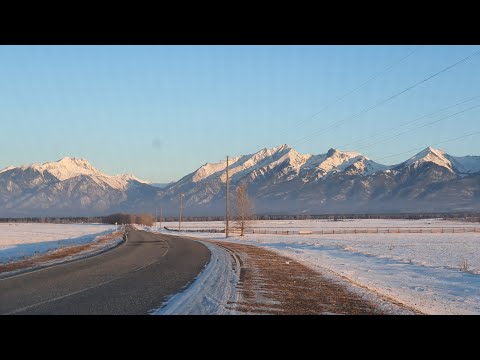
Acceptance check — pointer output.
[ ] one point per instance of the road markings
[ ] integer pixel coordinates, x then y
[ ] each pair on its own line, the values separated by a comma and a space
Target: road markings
83, 290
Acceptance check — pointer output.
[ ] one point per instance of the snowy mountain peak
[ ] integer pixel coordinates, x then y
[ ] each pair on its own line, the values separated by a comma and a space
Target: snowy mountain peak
432, 155
343, 154
266, 152
460, 164
67, 168
74, 162
209, 169
281, 148
331, 152
6, 169
336, 160
431, 150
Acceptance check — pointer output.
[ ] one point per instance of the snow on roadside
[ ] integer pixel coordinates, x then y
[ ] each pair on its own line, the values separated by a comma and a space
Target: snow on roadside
421, 271
212, 292
94, 249
18, 241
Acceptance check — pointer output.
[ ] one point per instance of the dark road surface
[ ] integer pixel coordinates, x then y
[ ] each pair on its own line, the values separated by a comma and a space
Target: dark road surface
134, 278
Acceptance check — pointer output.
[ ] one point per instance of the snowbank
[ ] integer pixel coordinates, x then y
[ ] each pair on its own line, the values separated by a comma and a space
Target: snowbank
212, 292
18, 241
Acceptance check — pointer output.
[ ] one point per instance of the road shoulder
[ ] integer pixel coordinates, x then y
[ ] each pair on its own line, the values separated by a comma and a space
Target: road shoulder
63, 255
213, 291
271, 283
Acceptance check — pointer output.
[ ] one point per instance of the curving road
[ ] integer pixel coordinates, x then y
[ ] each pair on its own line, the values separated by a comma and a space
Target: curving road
134, 278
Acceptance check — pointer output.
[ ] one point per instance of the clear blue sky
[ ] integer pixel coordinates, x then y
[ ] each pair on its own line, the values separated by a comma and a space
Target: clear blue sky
160, 112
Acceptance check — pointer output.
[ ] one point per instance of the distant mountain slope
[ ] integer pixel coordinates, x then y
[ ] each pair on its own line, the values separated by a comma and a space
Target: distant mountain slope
280, 180
69, 186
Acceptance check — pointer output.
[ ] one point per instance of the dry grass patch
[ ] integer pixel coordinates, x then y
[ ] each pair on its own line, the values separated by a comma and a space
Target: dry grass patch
274, 284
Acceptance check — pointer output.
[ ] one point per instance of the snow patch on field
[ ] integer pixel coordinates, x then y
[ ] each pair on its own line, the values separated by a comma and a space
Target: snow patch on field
19, 241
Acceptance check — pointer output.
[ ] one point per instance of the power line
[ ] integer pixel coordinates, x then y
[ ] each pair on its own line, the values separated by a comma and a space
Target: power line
439, 143
418, 127
408, 122
341, 97
320, 132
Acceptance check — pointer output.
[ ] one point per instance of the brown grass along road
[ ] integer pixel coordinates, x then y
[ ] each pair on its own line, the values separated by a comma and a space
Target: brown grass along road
40, 259
274, 284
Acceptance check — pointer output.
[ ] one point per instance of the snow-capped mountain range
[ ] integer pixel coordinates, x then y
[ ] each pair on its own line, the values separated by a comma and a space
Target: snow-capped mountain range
280, 180
68, 168
68, 186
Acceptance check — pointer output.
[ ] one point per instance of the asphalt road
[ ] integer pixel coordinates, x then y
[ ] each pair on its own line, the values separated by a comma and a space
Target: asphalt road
134, 278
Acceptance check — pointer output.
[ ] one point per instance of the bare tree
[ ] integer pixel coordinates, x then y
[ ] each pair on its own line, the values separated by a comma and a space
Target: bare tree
243, 209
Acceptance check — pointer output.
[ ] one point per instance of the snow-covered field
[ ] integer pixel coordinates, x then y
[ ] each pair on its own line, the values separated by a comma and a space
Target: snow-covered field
433, 273
318, 225
18, 241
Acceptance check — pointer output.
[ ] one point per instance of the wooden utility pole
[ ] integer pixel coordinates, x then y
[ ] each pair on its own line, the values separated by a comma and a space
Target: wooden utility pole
226, 205
180, 218
161, 218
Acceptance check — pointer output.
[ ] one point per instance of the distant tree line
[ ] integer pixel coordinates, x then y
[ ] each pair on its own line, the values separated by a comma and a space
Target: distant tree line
470, 216
149, 219
53, 220
464, 216
121, 218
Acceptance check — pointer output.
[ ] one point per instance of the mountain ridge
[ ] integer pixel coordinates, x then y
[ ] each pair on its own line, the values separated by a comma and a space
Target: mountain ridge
278, 178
